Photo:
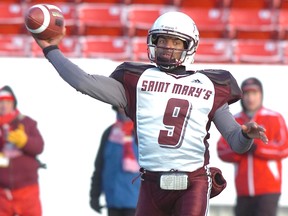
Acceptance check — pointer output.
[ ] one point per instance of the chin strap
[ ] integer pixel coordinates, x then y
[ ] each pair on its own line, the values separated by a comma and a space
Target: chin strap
166, 68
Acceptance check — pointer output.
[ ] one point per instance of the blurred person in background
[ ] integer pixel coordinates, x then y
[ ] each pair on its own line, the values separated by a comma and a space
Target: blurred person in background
20, 144
259, 171
115, 167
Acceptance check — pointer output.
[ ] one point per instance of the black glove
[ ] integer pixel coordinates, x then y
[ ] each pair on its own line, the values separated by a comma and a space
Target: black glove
94, 203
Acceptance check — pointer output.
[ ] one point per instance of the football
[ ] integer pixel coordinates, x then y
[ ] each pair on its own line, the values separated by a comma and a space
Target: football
44, 21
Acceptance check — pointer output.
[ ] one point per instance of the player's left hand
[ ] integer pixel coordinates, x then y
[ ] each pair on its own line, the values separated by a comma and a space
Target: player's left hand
255, 131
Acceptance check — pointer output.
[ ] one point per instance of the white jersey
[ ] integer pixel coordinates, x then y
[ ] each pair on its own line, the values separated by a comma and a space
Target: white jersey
172, 114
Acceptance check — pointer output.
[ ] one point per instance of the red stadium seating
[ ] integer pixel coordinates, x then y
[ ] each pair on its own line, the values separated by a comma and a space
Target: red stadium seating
283, 24
70, 46
14, 45
214, 51
141, 17
200, 3
49, 1
107, 47
150, 2
284, 50
11, 18
257, 52
102, 1
282, 4
211, 22
139, 49
257, 4
252, 23
101, 19
11, 1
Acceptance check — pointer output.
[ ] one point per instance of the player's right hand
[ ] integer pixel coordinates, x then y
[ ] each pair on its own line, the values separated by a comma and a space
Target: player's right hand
55, 41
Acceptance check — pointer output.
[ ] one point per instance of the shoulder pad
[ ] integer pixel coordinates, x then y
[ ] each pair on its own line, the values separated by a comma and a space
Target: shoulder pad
221, 77
134, 67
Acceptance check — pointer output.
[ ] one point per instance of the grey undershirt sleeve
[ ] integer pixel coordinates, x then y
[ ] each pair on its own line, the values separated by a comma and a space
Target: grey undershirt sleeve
231, 130
100, 87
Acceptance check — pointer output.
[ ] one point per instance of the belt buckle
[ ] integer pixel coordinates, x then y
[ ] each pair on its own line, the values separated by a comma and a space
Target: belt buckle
174, 181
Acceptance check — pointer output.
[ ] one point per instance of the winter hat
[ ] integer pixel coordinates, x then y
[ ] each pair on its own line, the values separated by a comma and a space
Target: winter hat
6, 93
252, 83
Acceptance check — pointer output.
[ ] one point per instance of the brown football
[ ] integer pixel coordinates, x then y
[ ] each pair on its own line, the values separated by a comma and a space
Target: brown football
44, 21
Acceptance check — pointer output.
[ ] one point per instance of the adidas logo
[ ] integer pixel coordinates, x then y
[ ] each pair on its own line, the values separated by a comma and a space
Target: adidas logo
196, 81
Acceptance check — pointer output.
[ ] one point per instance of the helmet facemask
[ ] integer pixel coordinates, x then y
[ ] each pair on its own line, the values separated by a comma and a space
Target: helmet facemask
169, 62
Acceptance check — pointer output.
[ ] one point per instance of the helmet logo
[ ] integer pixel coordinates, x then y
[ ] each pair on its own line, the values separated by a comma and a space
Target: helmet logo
169, 27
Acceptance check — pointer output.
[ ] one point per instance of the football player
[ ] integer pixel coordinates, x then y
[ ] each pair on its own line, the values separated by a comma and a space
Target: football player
172, 108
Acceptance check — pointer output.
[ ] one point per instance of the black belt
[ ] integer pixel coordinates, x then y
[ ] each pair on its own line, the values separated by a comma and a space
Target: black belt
155, 176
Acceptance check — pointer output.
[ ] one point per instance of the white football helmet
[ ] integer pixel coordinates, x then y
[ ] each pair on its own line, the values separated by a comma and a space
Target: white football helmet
173, 24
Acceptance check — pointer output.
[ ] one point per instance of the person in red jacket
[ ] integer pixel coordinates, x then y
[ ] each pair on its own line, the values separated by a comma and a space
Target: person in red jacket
259, 171
20, 144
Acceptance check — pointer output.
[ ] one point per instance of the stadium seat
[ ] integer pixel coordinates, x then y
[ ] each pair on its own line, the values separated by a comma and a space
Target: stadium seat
283, 4
101, 19
280, 4
257, 51
14, 45
11, 18
214, 51
141, 17
107, 47
200, 3
245, 4
252, 24
211, 22
282, 24
49, 1
139, 49
69, 45
284, 50
149, 2
12, 1
102, 1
